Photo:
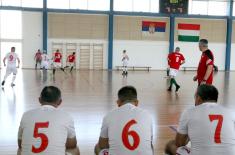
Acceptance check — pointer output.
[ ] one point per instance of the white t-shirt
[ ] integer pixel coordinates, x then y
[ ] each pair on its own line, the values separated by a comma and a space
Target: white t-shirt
47, 128
118, 126
211, 129
11, 58
45, 58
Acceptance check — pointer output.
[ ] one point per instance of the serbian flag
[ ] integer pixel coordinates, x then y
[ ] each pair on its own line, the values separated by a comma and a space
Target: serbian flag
188, 32
153, 28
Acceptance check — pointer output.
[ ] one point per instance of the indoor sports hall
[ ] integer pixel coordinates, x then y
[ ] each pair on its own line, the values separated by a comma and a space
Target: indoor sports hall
116, 43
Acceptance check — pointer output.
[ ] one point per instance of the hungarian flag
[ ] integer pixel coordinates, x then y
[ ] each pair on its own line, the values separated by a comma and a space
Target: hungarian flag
153, 28
188, 32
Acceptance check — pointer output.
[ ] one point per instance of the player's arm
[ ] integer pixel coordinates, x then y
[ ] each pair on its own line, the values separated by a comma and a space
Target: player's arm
18, 59
4, 61
182, 132
208, 70
71, 143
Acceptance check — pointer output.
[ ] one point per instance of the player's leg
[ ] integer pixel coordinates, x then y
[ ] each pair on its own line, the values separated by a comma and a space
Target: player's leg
8, 72
14, 77
73, 151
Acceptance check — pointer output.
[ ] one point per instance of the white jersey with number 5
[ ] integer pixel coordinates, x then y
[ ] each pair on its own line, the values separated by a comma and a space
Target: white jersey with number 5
211, 129
11, 59
129, 130
45, 130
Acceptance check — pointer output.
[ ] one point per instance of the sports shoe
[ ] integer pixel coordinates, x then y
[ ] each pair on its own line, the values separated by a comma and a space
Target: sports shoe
3, 82
169, 89
177, 88
12, 85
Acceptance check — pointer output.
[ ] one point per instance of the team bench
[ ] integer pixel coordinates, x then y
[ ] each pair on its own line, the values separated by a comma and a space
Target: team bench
135, 68
189, 68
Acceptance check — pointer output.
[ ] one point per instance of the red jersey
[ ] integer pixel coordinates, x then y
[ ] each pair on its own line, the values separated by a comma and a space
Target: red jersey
175, 60
57, 57
207, 59
38, 56
71, 58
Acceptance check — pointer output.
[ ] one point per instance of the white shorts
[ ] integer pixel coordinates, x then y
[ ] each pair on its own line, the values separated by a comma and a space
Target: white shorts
45, 64
71, 64
124, 63
173, 72
57, 65
104, 152
11, 69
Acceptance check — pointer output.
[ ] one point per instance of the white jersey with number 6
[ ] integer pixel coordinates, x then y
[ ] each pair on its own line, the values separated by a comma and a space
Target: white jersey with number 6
211, 129
11, 59
129, 130
45, 130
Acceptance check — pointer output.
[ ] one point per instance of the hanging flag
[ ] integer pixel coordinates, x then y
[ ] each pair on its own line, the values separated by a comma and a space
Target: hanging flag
150, 28
188, 32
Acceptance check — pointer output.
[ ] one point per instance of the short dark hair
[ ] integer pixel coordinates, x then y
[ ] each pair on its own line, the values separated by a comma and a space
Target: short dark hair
208, 92
13, 47
127, 94
204, 42
74, 53
124, 51
50, 94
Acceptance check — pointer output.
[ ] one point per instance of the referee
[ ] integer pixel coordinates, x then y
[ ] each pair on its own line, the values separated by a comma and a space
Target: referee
206, 64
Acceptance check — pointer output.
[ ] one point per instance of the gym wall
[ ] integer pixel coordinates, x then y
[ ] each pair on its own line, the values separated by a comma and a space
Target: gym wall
142, 50
214, 31
233, 49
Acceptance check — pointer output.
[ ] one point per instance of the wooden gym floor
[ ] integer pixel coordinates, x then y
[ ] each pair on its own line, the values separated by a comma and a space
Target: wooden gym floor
89, 95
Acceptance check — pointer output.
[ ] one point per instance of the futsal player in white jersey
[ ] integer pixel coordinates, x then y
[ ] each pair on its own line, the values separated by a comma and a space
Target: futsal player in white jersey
11, 58
47, 130
126, 130
45, 61
125, 60
209, 126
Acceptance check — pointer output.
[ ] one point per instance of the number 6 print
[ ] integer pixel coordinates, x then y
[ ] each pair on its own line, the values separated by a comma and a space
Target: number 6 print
126, 133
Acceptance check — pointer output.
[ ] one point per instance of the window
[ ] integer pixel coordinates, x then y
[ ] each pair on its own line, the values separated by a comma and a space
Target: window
32, 3
141, 6
98, 5
208, 7
58, 4
136, 5
199, 7
11, 24
123, 5
79, 4
11, 2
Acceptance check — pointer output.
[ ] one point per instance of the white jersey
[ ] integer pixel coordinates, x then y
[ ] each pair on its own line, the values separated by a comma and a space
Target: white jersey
11, 58
45, 57
129, 130
45, 130
125, 59
211, 129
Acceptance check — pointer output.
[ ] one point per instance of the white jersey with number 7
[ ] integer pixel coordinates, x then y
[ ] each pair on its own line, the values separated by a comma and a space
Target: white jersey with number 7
45, 130
211, 129
129, 130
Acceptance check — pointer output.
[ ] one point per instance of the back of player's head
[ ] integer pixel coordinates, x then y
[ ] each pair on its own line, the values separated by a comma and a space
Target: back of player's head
207, 93
127, 94
124, 51
73, 53
57, 50
50, 94
177, 49
203, 42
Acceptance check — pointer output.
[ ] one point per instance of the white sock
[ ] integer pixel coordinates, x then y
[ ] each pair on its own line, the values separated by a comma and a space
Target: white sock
13, 78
